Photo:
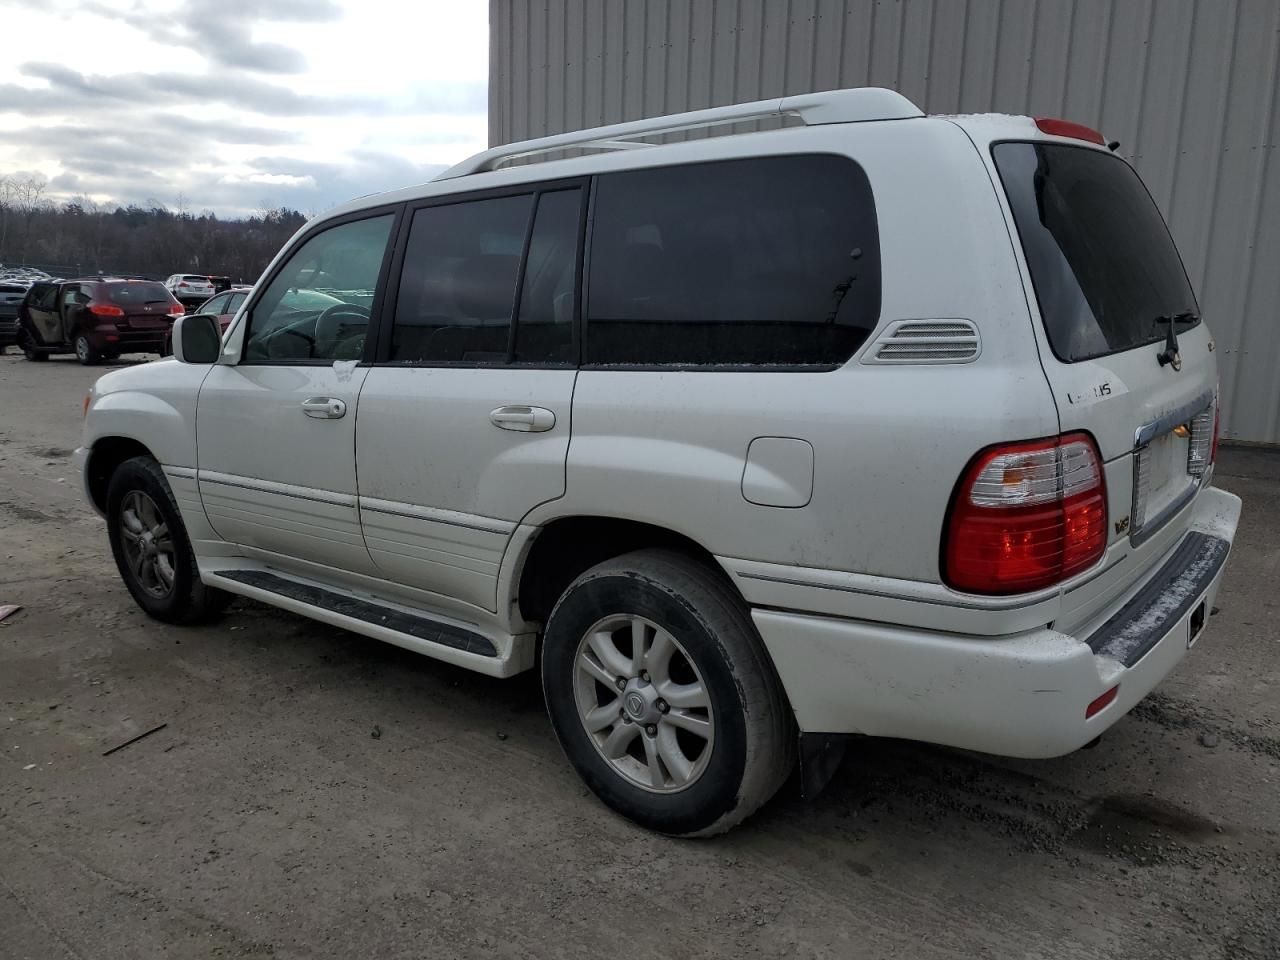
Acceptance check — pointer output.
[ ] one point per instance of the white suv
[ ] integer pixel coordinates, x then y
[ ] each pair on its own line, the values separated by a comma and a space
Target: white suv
876, 424
190, 287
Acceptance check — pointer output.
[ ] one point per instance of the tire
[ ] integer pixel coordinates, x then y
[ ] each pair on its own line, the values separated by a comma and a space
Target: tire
85, 352
726, 770
28, 346
138, 491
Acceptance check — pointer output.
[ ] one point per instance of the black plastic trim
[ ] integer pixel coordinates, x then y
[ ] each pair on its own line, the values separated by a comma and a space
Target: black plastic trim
1198, 550
370, 612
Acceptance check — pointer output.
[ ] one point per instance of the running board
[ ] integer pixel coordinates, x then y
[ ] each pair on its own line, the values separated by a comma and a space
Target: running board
418, 632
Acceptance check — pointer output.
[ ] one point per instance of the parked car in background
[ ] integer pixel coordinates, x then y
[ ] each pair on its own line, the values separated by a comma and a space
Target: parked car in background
190, 289
221, 284
223, 307
96, 318
11, 296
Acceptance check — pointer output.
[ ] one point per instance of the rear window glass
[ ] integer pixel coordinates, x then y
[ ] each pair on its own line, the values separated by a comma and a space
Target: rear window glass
193, 278
135, 293
765, 261
1105, 270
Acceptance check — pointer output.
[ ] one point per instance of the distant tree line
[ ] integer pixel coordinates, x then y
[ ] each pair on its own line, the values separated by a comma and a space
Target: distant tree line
82, 237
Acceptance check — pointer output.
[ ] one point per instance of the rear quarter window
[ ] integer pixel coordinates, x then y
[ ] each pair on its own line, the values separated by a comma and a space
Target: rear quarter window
1105, 269
770, 261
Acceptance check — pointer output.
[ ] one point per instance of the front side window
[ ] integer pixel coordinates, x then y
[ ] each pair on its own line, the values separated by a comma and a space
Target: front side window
458, 284
765, 261
316, 308
1104, 268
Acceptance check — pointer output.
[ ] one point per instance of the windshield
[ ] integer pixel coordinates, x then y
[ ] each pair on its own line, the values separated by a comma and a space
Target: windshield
1105, 270
127, 294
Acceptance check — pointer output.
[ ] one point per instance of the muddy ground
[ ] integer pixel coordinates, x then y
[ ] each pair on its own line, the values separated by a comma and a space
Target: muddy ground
318, 794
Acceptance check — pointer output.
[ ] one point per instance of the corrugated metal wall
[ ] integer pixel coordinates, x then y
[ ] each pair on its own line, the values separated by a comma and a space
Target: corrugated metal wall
1189, 88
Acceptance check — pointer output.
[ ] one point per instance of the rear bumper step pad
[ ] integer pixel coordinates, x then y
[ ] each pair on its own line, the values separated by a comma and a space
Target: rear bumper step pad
367, 610
1142, 622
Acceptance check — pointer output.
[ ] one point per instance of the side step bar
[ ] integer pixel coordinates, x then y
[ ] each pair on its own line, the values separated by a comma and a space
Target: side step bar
370, 612
439, 636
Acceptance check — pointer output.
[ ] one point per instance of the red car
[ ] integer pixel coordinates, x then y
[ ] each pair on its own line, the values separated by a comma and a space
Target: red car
224, 306
96, 318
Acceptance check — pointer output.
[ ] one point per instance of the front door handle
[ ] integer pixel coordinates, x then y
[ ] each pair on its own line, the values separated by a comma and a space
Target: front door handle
324, 408
522, 418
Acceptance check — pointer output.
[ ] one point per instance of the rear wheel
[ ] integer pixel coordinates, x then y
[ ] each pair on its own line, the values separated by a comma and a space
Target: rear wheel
85, 352
151, 548
28, 346
663, 696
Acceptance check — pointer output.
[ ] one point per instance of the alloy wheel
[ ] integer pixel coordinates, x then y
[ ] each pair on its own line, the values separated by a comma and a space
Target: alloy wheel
148, 545
643, 703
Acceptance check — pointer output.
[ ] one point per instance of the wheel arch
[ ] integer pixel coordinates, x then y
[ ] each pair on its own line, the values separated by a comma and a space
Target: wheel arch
105, 456
565, 548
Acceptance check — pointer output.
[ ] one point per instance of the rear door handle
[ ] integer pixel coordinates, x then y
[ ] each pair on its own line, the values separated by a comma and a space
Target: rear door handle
324, 408
522, 418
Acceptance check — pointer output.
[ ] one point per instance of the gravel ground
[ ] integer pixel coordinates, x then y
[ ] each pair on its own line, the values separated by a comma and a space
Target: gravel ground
317, 794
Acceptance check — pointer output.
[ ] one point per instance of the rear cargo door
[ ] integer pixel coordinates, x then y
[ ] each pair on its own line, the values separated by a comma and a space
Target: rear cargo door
1109, 285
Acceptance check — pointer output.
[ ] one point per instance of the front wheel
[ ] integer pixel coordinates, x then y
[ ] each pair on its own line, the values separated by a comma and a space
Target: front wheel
85, 352
28, 346
662, 695
151, 548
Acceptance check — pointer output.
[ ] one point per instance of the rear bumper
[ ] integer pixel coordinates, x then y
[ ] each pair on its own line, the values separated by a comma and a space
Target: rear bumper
1023, 695
125, 340
8, 330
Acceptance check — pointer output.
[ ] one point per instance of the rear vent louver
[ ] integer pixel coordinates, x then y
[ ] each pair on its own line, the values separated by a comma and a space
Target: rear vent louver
927, 341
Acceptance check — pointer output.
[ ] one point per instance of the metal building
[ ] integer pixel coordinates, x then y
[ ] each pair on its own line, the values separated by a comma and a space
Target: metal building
1188, 87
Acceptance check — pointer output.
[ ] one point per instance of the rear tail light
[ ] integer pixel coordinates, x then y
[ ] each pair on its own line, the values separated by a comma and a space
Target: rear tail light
184, 284
105, 310
1026, 516
176, 309
1217, 421
1200, 445
1065, 128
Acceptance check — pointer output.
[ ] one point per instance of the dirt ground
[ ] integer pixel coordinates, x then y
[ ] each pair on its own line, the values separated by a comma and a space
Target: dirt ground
318, 794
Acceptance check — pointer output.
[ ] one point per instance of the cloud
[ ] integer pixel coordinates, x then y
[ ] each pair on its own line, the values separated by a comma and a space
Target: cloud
69, 90
221, 30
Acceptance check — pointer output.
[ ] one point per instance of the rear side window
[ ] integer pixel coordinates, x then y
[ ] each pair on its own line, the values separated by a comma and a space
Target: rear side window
766, 261
458, 284
1105, 270
128, 294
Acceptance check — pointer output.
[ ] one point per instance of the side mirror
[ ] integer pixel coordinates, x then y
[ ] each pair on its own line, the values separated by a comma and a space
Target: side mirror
196, 338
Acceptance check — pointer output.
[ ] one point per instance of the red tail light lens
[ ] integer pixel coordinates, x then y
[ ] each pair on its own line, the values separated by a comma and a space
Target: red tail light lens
1026, 516
176, 309
1065, 128
105, 310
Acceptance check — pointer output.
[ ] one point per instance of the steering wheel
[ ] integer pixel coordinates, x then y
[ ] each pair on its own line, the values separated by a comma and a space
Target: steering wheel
330, 324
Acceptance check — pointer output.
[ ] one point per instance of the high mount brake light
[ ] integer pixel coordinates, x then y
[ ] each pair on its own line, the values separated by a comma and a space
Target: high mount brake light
1065, 128
1026, 516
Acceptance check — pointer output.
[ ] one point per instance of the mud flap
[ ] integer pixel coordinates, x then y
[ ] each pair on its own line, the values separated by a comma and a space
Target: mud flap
820, 756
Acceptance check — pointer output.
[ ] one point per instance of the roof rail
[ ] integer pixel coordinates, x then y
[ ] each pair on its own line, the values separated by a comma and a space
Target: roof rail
832, 106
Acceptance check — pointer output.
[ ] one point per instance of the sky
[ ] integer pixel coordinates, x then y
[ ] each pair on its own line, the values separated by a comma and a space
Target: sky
238, 105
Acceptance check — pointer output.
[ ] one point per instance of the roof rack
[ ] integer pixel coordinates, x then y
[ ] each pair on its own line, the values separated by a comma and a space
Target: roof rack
833, 106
